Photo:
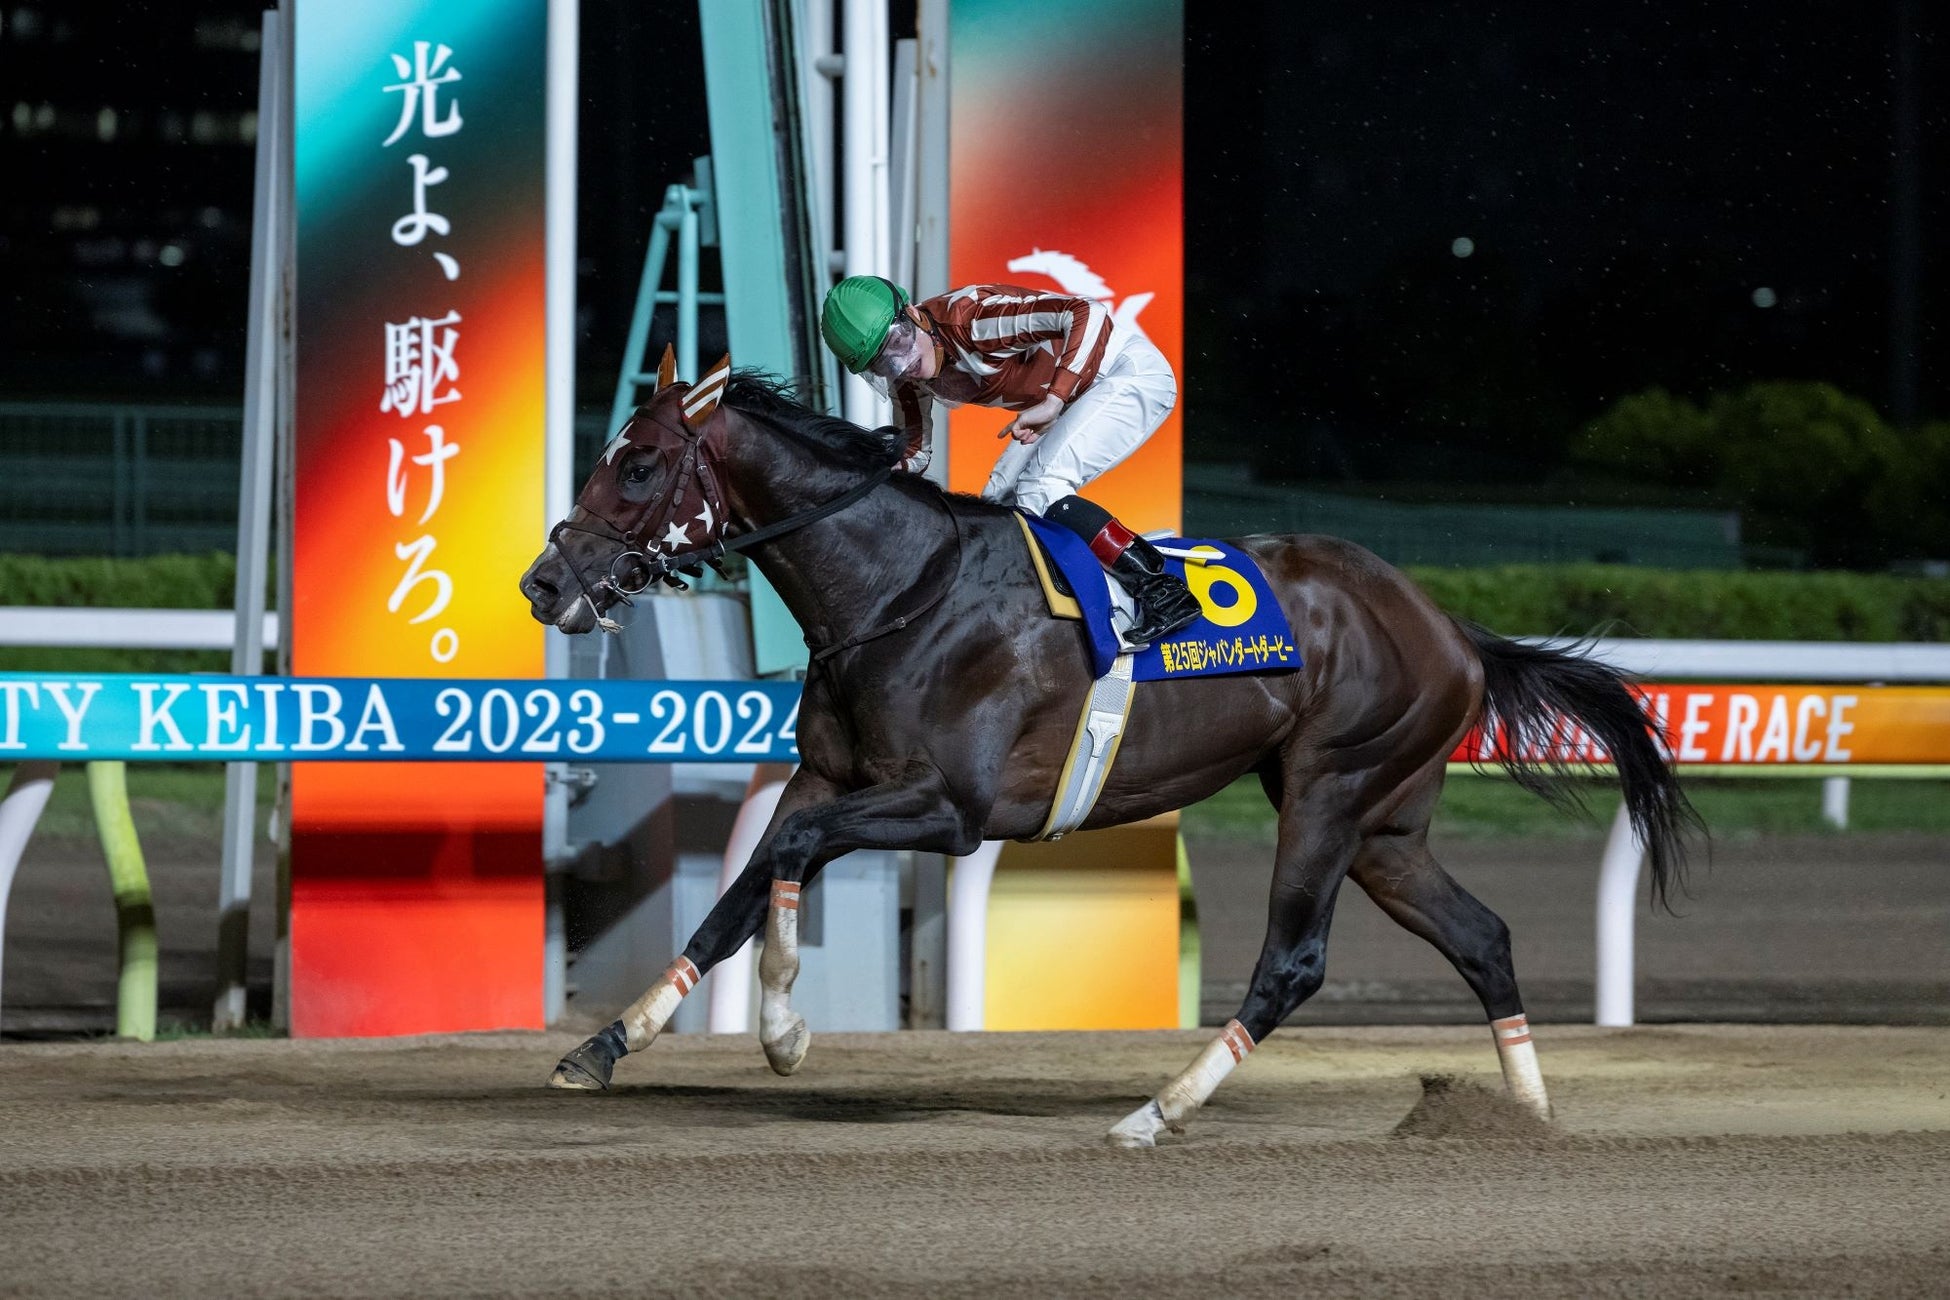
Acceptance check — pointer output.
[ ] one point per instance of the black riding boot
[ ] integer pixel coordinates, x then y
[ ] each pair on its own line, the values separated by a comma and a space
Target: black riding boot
1164, 603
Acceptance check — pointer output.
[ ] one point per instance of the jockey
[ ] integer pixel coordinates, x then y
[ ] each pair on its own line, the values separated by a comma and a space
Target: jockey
1086, 392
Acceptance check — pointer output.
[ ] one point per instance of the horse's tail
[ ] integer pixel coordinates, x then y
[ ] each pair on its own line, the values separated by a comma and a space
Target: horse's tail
1528, 690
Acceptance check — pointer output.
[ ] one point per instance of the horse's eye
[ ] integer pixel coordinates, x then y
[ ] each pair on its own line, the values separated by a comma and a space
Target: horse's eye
637, 474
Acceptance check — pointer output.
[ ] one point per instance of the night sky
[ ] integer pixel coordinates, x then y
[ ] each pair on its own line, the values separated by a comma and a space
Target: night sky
1693, 196
1632, 178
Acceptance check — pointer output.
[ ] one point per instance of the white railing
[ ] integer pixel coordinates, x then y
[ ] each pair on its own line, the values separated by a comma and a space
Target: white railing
1757, 661
125, 629
1771, 661
1618, 877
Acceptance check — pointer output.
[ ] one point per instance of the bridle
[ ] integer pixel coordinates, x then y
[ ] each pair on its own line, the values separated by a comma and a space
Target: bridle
644, 560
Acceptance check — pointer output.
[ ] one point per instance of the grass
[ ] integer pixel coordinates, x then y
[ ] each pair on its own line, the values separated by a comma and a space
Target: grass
1490, 806
168, 800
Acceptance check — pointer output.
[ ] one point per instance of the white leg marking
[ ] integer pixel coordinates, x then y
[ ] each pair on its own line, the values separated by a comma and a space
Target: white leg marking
649, 1014
781, 1031
1180, 1099
1521, 1077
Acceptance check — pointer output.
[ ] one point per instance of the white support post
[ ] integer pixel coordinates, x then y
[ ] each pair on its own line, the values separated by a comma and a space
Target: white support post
903, 180
27, 795
931, 154
731, 980
968, 935
254, 493
558, 437
863, 168
1834, 801
1618, 897
931, 183
818, 66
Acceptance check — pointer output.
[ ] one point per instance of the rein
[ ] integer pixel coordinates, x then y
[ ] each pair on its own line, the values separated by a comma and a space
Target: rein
664, 566
647, 565
813, 515
821, 654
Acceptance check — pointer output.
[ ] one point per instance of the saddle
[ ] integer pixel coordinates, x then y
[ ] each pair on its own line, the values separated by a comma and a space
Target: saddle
1243, 630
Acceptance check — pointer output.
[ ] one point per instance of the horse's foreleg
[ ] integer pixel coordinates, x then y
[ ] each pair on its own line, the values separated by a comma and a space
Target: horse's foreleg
810, 829
781, 1030
911, 813
733, 919
1314, 854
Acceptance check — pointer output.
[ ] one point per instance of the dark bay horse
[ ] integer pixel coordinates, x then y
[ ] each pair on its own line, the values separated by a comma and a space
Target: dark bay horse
941, 700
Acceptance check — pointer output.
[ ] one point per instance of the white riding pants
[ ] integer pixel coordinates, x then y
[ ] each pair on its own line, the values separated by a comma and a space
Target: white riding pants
1133, 393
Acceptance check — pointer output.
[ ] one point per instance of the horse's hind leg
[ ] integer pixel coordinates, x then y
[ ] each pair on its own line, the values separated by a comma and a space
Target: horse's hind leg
1318, 841
1399, 873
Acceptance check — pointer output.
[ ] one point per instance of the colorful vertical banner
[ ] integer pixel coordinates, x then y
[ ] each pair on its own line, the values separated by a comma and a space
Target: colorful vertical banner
1066, 160
416, 889
1066, 154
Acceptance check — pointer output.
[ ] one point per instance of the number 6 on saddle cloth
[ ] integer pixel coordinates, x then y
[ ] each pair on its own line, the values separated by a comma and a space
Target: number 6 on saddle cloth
1243, 629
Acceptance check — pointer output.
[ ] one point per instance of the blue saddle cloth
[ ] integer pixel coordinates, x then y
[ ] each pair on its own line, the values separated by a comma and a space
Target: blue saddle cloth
1244, 630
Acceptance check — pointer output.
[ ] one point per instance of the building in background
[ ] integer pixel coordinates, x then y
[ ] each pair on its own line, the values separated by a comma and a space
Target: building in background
126, 143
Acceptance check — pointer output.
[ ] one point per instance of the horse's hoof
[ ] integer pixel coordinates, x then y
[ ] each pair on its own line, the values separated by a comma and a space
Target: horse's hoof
1139, 1129
572, 1077
785, 1052
587, 1069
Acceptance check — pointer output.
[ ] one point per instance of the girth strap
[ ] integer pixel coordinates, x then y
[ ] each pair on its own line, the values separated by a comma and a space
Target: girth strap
1100, 729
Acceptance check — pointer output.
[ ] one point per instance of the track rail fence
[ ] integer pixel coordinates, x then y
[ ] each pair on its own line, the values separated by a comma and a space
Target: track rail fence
1788, 717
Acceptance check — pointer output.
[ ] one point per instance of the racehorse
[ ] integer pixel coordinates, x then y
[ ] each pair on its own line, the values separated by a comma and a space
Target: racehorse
941, 697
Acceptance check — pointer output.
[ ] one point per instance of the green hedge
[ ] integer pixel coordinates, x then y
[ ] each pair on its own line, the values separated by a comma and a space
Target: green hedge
1769, 606
155, 582
1515, 599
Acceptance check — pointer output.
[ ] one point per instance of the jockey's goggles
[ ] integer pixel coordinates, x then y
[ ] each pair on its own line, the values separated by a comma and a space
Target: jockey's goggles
900, 356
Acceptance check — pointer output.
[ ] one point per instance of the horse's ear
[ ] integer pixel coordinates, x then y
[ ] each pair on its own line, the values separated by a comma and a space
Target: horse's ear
667, 369
705, 394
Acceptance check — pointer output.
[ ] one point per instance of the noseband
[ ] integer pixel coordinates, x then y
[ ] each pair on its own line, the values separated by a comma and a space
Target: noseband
654, 546
644, 560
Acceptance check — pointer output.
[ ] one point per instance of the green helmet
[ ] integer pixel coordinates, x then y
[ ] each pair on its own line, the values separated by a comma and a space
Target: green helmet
858, 313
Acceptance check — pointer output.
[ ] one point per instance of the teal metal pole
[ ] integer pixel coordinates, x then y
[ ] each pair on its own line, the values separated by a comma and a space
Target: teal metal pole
687, 290
646, 307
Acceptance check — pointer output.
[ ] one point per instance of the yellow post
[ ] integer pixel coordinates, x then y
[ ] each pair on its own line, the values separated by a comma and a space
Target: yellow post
1084, 933
135, 914
1190, 975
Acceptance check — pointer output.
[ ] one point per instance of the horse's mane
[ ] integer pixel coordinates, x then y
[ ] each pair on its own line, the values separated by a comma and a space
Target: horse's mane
776, 401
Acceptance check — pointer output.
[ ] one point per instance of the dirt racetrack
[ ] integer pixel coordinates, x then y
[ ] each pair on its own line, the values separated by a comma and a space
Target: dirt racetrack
1782, 1160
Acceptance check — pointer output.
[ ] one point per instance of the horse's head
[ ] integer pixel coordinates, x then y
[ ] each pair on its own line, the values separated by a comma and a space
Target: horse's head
654, 505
